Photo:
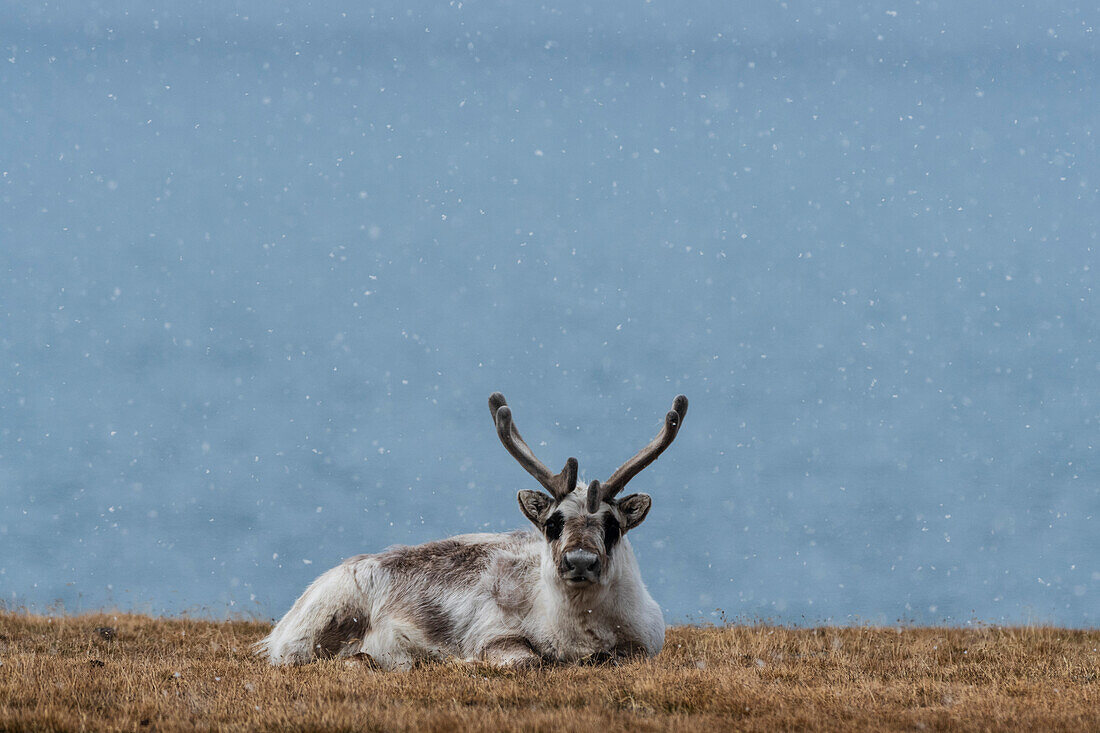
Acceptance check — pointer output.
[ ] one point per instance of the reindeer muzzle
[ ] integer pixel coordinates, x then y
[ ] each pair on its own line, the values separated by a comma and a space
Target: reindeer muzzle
580, 567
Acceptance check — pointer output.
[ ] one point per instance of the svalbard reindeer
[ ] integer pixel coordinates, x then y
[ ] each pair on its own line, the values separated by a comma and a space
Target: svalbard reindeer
570, 591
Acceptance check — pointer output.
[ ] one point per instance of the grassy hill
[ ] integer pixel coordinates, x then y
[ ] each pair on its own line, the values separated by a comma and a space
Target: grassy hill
131, 672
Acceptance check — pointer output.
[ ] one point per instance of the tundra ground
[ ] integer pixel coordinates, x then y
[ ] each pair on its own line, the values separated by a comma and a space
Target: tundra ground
130, 672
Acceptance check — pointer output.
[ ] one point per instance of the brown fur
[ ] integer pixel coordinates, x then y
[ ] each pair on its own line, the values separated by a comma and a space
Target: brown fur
584, 533
431, 618
435, 563
340, 633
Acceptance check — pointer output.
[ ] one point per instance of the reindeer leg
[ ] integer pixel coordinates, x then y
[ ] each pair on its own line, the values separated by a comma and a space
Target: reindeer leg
514, 652
621, 653
393, 645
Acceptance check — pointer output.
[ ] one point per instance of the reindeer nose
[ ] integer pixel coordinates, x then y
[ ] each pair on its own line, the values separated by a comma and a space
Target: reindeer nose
582, 562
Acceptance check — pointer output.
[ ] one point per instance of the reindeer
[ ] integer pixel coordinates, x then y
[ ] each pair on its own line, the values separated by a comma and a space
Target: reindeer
568, 592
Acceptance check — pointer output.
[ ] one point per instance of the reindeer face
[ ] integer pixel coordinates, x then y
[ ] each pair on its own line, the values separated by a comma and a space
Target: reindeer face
581, 542
582, 525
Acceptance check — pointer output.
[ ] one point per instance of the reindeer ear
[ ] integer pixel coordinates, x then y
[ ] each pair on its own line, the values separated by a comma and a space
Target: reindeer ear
534, 504
634, 509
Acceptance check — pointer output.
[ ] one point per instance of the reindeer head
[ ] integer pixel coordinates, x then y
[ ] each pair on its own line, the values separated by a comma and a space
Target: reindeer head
582, 525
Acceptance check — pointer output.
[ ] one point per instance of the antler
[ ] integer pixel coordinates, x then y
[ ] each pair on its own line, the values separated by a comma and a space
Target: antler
559, 485
594, 497
648, 455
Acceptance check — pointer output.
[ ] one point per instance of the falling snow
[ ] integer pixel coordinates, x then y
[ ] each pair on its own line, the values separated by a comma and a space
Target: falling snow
270, 260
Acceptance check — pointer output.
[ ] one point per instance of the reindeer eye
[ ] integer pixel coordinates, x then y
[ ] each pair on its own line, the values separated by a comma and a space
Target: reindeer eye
611, 531
554, 526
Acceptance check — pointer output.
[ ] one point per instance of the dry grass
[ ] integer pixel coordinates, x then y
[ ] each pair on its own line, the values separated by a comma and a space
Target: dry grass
162, 674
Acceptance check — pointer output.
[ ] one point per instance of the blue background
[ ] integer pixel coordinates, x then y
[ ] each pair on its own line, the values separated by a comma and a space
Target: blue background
261, 264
